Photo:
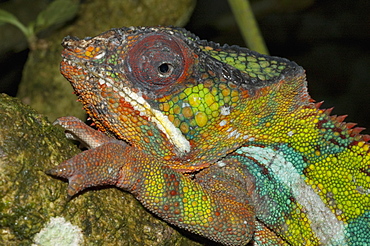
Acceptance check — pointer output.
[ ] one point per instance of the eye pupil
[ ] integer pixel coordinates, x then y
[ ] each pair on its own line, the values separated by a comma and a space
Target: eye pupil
164, 68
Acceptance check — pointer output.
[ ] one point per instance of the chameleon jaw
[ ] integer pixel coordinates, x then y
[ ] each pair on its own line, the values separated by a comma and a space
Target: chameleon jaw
173, 134
136, 101
162, 122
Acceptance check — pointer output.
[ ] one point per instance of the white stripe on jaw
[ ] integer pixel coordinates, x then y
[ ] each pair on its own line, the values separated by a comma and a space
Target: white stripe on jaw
323, 222
173, 133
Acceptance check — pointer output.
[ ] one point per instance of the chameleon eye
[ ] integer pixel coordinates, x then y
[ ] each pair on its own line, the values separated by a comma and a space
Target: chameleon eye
165, 69
157, 61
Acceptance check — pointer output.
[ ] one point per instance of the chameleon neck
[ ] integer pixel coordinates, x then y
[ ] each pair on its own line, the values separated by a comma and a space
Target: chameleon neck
258, 116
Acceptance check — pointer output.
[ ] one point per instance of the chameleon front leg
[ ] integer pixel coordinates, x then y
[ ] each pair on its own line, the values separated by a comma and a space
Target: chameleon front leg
215, 204
77, 130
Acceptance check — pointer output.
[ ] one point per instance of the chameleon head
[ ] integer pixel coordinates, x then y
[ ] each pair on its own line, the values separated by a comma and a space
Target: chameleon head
120, 74
167, 92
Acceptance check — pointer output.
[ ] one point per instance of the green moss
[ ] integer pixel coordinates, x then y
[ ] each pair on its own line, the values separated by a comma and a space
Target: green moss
30, 145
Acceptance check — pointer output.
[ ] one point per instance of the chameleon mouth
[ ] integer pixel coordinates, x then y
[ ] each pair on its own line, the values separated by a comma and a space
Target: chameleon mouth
92, 79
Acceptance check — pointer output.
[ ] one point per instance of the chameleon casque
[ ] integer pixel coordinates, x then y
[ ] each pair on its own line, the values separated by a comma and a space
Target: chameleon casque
218, 140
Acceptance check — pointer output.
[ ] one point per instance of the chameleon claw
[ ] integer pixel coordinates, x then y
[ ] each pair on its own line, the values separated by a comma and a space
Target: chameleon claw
95, 167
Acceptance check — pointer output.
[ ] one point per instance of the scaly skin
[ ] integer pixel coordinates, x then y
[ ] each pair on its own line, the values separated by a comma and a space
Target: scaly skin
219, 140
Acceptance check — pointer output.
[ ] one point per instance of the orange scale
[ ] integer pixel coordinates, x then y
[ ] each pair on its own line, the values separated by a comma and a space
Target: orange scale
176, 122
171, 118
208, 83
165, 107
90, 48
77, 50
119, 108
123, 117
211, 73
187, 112
226, 92
176, 109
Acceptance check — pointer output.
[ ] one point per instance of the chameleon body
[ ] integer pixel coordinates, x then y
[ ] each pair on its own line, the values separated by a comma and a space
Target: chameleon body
219, 140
